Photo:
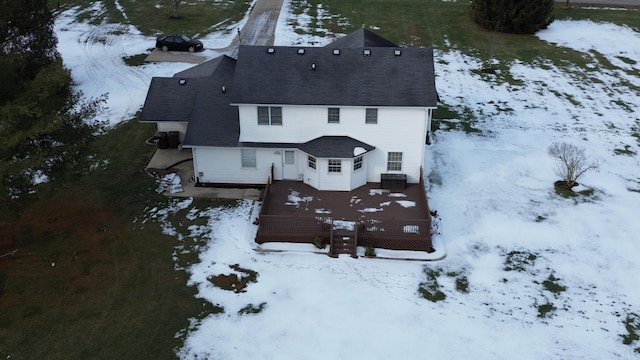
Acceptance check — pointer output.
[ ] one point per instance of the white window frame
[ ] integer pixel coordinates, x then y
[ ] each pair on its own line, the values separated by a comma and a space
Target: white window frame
394, 161
249, 159
371, 116
333, 115
273, 115
335, 166
358, 162
311, 162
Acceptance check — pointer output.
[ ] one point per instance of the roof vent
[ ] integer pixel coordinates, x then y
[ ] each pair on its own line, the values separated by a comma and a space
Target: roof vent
366, 52
336, 51
182, 81
271, 50
300, 51
397, 52
224, 89
313, 66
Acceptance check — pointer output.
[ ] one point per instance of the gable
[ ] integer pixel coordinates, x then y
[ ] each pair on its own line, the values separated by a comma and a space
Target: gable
170, 100
361, 38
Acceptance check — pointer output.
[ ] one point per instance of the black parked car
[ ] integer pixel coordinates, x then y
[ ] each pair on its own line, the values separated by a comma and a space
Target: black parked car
175, 42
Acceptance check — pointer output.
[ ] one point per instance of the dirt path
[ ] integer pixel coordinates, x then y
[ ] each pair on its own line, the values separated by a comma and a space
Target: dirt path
260, 28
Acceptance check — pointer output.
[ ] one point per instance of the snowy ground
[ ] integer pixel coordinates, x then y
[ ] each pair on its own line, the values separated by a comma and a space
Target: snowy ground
528, 274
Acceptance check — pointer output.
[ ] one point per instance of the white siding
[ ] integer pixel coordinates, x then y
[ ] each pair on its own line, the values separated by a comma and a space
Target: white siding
398, 130
359, 177
180, 127
224, 165
333, 181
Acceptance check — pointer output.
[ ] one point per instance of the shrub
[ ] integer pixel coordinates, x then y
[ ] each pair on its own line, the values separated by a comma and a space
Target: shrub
369, 251
571, 162
510, 16
319, 242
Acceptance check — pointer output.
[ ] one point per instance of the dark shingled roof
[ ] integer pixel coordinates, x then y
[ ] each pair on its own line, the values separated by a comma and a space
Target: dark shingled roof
337, 147
361, 38
319, 77
341, 147
285, 77
172, 99
213, 121
207, 68
168, 100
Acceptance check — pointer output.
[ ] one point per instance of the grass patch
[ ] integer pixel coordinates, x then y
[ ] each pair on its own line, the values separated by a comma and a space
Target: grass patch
234, 282
546, 310
457, 125
135, 60
632, 325
462, 284
585, 195
520, 260
430, 289
447, 25
196, 18
552, 285
252, 309
626, 151
447, 119
113, 272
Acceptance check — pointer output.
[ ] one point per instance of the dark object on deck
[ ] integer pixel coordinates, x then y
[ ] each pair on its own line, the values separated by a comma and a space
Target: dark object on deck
393, 181
173, 139
162, 139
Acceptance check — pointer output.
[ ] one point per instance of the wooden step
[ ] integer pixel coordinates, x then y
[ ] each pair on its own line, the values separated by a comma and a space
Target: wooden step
343, 244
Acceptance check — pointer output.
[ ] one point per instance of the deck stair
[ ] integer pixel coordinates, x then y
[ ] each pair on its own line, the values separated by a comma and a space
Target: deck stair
344, 241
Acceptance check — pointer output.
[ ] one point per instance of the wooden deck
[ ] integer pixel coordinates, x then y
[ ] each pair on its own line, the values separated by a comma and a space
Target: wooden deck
395, 219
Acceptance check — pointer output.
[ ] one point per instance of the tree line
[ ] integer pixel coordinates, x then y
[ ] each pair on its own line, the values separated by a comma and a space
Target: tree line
47, 130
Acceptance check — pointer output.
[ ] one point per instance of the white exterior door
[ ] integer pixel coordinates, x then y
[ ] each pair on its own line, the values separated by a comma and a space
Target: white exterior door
289, 168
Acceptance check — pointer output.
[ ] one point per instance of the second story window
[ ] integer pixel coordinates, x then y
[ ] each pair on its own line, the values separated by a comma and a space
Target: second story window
334, 116
371, 116
269, 115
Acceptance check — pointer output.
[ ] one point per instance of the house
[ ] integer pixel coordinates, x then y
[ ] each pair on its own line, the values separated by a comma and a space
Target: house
355, 111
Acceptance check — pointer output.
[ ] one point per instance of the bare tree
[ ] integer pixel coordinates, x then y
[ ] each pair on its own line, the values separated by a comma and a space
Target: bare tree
571, 162
495, 39
176, 5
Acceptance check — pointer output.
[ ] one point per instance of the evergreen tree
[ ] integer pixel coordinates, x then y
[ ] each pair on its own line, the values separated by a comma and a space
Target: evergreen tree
28, 43
513, 16
46, 129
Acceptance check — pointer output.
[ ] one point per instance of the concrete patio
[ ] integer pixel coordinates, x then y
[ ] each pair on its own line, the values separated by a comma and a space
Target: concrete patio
180, 162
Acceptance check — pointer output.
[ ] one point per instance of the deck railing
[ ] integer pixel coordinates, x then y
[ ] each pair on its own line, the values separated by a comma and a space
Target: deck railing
297, 229
398, 234
386, 233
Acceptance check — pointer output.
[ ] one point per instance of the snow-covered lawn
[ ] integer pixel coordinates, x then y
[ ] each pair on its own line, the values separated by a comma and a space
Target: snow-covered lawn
528, 274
